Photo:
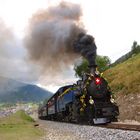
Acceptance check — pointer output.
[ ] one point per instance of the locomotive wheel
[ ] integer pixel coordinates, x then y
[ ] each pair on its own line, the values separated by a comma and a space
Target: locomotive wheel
68, 115
114, 119
90, 115
76, 112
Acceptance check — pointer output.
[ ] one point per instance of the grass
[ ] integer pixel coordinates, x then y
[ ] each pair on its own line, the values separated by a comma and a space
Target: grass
125, 77
18, 126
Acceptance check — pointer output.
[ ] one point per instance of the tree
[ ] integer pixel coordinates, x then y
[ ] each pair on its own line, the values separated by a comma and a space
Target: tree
135, 49
103, 63
82, 68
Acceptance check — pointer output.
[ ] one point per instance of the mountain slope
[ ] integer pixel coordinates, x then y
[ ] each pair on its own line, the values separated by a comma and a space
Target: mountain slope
12, 91
124, 80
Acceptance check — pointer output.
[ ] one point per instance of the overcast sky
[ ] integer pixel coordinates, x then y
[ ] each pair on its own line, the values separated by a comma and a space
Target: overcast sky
115, 24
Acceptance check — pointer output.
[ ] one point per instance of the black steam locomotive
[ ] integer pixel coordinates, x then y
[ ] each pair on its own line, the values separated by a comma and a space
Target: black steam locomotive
89, 100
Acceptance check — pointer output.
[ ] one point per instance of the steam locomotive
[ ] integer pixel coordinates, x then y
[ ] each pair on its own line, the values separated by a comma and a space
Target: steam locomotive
89, 100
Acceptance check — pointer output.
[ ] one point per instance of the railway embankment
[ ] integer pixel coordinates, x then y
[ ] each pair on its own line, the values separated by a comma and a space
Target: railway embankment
124, 80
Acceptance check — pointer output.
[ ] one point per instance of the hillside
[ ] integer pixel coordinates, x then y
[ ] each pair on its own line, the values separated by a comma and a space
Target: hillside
12, 91
135, 49
124, 80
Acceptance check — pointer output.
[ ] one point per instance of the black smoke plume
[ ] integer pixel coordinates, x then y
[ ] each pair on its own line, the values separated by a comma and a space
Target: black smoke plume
56, 37
85, 45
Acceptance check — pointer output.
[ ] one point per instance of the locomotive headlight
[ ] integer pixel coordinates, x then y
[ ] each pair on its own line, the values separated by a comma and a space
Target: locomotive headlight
112, 100
91, 101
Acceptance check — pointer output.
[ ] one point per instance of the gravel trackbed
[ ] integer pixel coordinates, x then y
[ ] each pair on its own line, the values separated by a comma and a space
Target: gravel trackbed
66, 131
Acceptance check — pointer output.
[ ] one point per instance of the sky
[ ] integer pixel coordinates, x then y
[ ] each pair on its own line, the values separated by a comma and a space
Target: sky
113, 23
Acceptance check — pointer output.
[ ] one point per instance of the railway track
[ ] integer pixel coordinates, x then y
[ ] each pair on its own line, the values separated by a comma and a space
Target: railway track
130, 127
122, 126
71, 131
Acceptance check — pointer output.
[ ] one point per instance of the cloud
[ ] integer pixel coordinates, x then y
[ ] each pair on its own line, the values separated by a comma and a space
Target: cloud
12, 57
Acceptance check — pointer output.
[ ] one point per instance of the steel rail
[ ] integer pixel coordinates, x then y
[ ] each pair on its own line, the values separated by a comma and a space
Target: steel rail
122, 126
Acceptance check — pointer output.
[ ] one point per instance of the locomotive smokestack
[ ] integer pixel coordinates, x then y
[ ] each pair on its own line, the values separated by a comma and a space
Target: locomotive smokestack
86, 46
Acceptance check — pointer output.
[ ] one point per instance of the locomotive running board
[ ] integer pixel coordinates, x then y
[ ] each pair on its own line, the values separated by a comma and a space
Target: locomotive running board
100, 120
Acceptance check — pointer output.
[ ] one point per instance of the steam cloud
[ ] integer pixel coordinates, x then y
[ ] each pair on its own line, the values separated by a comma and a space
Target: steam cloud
51, 35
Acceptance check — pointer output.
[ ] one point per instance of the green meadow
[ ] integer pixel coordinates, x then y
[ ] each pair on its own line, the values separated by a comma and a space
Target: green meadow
19, 126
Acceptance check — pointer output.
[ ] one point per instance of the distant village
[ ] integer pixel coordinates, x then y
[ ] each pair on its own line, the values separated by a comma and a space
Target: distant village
29, 108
